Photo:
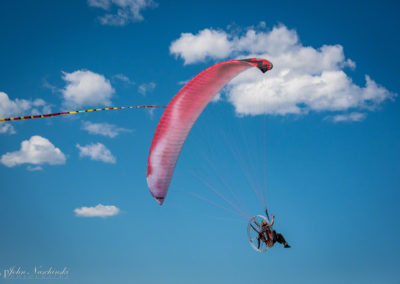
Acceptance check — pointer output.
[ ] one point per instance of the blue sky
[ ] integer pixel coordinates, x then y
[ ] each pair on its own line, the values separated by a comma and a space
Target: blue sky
326, 116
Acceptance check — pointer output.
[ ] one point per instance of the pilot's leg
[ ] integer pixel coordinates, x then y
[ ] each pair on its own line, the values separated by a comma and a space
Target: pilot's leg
280, 239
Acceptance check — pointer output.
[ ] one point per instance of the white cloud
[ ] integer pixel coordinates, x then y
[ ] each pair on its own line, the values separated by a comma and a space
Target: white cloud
6, 128
104, 4
304, 78
96, 152
97, 211
34, 168
50, 86
37, 151
150, 111
126, 10
86, 88
349, 117
146, 88
124, 79
104, 129
207, 43
21, 107
183, 82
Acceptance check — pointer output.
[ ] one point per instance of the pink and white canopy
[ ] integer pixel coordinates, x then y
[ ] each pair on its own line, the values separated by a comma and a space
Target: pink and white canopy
180, 115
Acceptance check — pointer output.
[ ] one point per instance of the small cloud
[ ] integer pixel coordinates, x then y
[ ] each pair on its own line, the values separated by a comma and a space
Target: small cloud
104, 129
19, 107
96, 152
86, 88
126, 10
51, 87
97, 211
146, 88
208, 43
123, 78
37, 150
151, 112
103, 4
349, 117
262, 25
183, 82
6, 128
34, 168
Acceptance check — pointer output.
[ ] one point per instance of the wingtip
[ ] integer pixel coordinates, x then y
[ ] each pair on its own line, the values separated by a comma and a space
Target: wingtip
159, 200
262, 64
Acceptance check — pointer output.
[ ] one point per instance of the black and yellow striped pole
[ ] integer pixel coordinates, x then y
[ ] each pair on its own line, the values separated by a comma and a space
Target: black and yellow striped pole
72, 112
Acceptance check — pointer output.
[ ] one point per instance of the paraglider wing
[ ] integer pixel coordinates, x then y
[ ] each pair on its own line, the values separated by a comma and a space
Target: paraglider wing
180, 115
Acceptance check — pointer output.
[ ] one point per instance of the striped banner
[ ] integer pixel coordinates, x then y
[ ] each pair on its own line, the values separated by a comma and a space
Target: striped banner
72, 112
